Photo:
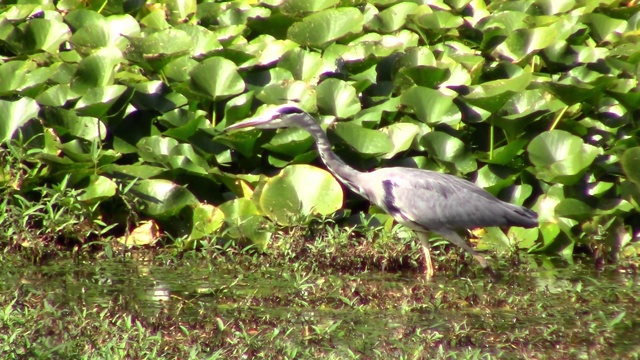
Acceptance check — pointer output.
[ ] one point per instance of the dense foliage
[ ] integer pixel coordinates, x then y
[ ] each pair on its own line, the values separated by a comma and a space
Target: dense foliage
112, 113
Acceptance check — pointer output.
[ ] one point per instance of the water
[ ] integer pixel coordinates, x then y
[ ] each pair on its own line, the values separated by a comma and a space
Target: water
537, 310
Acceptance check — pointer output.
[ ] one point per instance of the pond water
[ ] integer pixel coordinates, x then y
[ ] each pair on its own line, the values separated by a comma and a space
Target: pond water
537, 310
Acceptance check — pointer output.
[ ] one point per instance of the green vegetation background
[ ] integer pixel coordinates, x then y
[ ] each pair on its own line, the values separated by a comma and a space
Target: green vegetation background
111, 113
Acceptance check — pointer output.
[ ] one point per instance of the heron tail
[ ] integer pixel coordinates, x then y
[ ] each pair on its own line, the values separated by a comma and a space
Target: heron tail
521, 216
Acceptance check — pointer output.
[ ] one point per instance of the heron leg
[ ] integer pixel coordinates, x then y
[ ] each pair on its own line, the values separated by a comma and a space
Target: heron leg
426, 254
455, 239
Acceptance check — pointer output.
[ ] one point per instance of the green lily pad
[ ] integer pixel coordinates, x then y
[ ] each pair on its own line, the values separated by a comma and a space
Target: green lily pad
156, 148
402, 136
306, 6
291, 142
57, 95
304, 65
184, 157
326, 26
300, 190
13, 74
450, 150
605, 28
493, 94
140, 171
559, 156
573, 209
506, 154
160, 48
337, 98
392, 18
216, 78
162, 198
432, 106
97, 101
45, 35
245, 223
204, 40
299, 92
207, 219
14, 115
367, 142
99, 188
630, 162
439, 20
97, 69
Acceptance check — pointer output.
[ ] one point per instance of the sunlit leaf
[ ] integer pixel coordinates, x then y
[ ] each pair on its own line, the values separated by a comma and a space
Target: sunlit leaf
557, 154
630, 162
299, 191
100, 187
216, 78
306, 6
162, 198
432, 106
147, 233
402, 136
97, 101
96, 70
365, 141
392, 18
46, 35
14, 115
337, 98
207, 219
245, 222
325, 26
449, 149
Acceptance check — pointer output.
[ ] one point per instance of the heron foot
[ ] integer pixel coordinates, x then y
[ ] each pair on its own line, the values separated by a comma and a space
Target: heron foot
495, 276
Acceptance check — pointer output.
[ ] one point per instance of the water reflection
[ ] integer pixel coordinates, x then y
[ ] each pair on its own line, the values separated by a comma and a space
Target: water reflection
539, 298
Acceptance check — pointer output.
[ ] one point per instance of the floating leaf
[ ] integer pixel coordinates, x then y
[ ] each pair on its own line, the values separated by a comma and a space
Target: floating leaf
303, 65
431, 106
365, 141
97, 101
162, 198
325, 26
207, 219
147, 233
630, 162
96, 70
337, 98
46, 35
216, 78
300, 191
245, 222
306, 6
402, 136
558, 154
392, 18
14, 115
449, 149
573, 209
99, 188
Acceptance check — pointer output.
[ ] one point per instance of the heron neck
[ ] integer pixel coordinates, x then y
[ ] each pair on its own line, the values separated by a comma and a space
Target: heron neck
345, 173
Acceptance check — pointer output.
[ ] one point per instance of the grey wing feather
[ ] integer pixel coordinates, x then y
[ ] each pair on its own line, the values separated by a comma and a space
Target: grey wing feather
440, 201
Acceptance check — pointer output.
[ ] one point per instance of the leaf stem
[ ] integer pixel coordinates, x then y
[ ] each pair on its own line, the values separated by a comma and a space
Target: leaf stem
557, 119
491, 141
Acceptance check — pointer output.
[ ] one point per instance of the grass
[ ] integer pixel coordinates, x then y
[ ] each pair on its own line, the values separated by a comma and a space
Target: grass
323, 291
323, 296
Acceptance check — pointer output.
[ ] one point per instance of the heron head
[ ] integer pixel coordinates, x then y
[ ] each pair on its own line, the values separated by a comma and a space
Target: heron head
274, 118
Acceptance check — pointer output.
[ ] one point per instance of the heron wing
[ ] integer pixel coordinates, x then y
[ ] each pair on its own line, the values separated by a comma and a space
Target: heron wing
436, 201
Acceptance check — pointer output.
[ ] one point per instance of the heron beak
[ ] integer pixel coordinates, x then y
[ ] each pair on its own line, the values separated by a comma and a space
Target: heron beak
252, 122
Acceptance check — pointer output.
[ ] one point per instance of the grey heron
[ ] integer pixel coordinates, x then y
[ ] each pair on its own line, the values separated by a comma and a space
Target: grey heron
422, 200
